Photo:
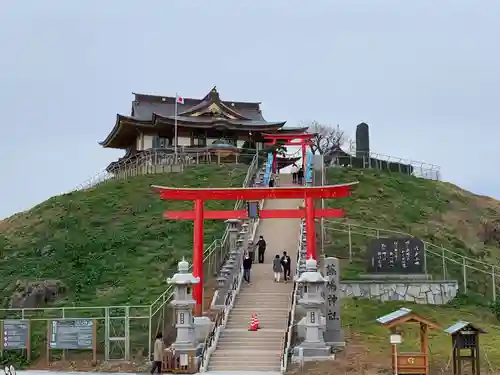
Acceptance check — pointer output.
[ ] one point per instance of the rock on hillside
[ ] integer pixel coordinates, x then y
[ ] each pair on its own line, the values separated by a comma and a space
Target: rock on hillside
437, 212
107, 245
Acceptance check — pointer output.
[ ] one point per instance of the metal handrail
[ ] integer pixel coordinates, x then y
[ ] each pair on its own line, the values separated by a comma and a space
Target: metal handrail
291, 316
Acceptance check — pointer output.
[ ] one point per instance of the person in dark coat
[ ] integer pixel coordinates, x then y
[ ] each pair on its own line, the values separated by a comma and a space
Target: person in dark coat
286, 262
261, 249
247, 266
300, 176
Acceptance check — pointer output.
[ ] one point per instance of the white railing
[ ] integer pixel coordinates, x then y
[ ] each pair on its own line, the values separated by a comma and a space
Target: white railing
156, 161
443, 255
375, 160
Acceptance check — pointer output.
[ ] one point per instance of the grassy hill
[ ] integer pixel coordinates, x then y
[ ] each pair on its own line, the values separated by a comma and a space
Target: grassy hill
110, 244
437, 212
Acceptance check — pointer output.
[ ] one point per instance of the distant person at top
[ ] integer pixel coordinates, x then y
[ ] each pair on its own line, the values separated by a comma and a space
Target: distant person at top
295, 171
157, 354
300, 176
271, 180
247, 266
286, 262
277, 268
261, 248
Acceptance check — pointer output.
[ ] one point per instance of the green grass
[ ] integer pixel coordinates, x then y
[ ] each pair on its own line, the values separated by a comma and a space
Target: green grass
110, 244
436, 212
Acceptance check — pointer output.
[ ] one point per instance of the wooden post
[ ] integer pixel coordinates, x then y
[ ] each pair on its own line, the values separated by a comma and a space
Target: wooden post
94, 340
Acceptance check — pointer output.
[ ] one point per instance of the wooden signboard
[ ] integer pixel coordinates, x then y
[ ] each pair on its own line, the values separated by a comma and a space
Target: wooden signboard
71, 334
15, 334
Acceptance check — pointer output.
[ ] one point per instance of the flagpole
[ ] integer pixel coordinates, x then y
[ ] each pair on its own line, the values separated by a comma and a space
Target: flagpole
175, 127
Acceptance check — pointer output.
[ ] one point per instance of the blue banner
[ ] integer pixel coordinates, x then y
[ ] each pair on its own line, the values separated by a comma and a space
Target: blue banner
267, 174
309, 167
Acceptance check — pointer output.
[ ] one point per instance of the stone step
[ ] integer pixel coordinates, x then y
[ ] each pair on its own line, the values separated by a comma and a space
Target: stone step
244, 360
264, 322
270, 299
275, 340
247, 352
229, 367
255, 336
268, 345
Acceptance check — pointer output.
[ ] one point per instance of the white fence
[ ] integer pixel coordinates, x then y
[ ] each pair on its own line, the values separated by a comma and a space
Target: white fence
155, 161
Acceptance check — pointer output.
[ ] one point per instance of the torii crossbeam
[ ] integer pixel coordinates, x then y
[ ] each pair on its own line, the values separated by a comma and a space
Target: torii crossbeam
250, 194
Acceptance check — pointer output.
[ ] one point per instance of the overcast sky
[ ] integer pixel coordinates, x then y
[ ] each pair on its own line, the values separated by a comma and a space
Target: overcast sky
424, 74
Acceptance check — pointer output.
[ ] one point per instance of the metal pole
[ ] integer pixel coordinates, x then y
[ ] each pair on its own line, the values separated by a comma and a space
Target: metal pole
350, 242
493, 281
444, 263
127, 333
150, 334
175, 127
464, 266
425, 258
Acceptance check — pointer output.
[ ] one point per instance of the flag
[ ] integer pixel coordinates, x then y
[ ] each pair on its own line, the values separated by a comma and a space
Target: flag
179, 99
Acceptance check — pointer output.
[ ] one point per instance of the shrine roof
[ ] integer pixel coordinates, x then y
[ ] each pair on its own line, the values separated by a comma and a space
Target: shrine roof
149, 111
404, 315
393, 315
461, 325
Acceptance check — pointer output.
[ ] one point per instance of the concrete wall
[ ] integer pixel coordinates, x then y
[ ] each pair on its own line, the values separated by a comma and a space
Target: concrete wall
419, 291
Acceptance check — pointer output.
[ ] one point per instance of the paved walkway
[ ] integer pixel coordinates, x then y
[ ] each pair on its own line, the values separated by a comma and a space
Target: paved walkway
241, 350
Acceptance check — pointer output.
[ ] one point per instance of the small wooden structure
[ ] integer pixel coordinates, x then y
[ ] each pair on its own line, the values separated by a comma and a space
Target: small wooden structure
409, 363
173, 364
465, 336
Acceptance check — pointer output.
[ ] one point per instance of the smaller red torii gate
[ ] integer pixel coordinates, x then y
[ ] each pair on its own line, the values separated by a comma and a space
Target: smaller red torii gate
199, 196
301, 139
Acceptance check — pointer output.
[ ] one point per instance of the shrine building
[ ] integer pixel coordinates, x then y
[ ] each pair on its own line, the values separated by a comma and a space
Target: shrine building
201, 123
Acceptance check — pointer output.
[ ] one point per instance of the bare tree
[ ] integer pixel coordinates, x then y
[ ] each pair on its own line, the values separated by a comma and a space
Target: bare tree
327, 137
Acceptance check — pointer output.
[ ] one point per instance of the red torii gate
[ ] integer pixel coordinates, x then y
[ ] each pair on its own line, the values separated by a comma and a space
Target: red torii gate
303, 140
198, 196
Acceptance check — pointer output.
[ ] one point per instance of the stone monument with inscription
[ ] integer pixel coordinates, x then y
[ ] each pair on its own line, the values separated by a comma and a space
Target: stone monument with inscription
183, 281
389, 257
334, 336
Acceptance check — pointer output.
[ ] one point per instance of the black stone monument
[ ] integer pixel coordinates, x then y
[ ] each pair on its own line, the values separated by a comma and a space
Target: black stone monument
396, 256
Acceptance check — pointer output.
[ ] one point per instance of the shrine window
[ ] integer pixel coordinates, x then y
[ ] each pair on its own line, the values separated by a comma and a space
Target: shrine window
162, 142
198, 139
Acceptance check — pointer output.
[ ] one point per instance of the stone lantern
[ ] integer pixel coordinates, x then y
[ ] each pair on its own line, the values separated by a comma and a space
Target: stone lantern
234, 225
313, 347
183, 302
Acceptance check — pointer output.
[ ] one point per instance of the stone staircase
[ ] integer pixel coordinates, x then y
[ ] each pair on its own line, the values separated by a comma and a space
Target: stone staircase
237, 348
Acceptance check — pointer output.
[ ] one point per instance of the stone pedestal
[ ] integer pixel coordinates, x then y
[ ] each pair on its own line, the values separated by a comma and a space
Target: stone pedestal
313, 347
183, 302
